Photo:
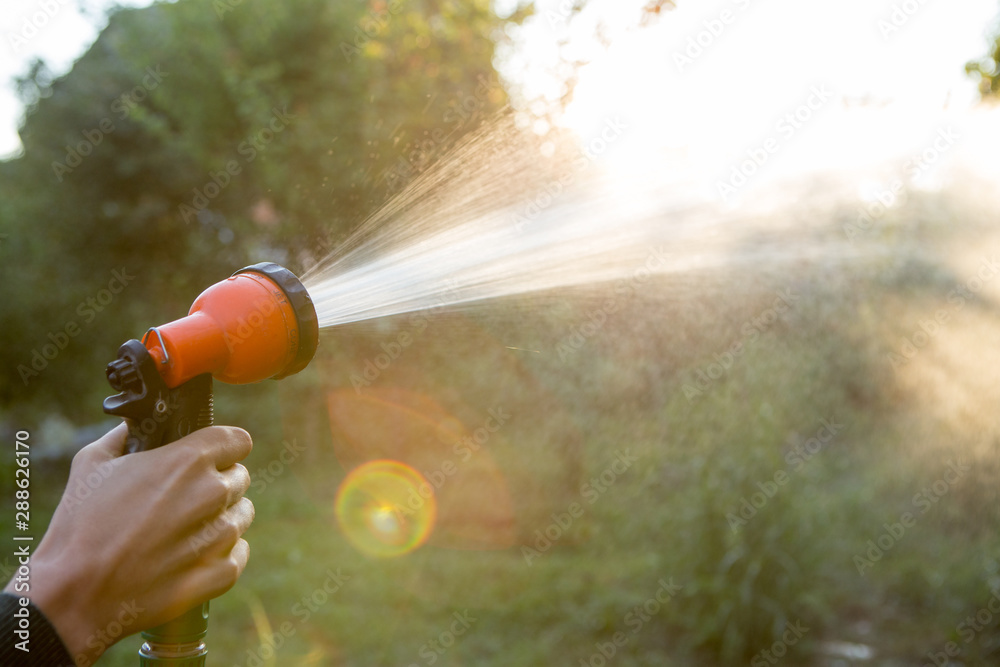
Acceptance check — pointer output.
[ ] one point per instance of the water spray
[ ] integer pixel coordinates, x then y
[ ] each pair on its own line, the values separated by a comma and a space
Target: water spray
492, 220
257, 324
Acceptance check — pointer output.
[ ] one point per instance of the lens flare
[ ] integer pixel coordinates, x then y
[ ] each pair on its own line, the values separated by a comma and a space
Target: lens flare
386, 508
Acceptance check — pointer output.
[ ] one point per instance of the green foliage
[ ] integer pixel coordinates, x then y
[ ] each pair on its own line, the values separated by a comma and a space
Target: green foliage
194, 138
987, 71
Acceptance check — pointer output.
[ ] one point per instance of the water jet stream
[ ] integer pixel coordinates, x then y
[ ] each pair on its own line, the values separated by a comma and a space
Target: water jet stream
497, 218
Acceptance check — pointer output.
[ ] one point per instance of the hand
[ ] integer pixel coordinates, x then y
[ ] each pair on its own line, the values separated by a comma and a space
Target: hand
139, 539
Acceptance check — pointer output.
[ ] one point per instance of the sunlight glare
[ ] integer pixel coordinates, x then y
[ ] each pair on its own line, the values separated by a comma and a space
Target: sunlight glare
386, 508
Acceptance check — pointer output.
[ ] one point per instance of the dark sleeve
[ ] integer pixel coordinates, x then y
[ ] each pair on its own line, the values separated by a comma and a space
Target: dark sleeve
45, 648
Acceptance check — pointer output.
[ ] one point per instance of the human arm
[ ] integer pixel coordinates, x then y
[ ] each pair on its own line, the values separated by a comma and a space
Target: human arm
139, 539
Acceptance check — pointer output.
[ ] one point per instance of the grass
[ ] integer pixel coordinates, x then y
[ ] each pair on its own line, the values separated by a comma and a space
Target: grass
668, 517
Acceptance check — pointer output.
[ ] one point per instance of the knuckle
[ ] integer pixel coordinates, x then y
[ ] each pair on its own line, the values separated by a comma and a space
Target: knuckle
237, 560
243, 475
81, 459
250, 509
240, 437
219, 490
230, 531
200, 458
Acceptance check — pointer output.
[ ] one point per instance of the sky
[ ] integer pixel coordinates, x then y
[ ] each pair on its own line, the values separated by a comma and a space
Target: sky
689, 70
713, 82
761, 54
58, 32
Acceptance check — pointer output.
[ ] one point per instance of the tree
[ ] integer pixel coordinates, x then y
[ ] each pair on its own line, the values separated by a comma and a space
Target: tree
193, 138
987, 71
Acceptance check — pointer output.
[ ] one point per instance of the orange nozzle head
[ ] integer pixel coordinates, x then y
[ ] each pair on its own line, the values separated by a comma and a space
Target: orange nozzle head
259, 323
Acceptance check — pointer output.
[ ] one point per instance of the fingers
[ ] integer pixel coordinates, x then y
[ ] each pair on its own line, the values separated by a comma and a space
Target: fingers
221, 445
237, 481
240, 556
229, 444
220, 491
242, 514
223, 560
221, 574
225, 571
218, 535
224, 445
216, 545
211, 578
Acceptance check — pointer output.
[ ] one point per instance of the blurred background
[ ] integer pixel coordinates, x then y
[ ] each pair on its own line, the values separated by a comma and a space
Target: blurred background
786, 455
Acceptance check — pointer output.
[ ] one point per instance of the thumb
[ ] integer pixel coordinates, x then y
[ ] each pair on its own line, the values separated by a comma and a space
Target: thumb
109, 446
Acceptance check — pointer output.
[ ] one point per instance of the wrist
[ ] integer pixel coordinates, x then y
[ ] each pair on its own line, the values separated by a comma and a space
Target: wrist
57, 595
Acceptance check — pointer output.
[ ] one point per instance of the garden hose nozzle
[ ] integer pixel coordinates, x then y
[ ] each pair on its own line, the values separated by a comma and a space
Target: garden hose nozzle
257, 324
